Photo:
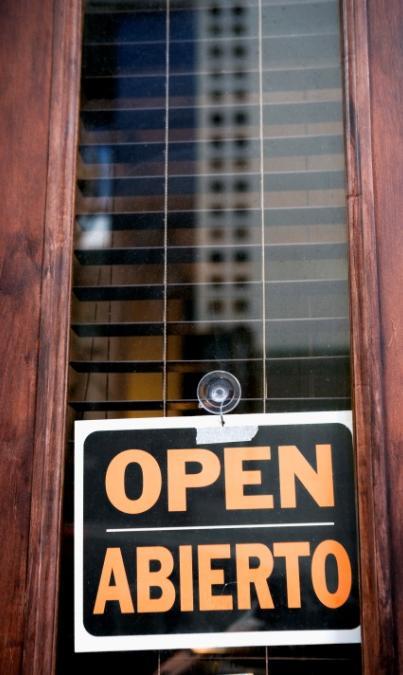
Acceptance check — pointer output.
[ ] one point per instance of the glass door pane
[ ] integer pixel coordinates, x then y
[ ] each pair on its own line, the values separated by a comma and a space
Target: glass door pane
210, 235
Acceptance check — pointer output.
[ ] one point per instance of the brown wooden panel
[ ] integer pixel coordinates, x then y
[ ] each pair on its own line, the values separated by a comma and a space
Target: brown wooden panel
49, 441
386, 79
368, 408
39, 57
25, 49
372, 231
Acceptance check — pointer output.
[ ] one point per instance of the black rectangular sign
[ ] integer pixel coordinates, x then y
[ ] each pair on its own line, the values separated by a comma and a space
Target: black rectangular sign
191, 534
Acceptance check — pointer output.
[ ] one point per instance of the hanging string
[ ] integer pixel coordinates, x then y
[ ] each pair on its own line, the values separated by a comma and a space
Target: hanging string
262, 192
165, 271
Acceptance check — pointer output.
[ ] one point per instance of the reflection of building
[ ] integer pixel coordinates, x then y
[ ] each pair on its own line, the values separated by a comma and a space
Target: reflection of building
228, 259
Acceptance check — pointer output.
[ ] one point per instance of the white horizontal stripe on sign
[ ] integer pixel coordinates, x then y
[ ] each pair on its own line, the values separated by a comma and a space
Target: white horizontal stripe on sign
216, 527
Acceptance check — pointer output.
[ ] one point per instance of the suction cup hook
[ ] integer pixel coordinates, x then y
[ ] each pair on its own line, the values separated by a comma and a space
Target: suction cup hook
219, 392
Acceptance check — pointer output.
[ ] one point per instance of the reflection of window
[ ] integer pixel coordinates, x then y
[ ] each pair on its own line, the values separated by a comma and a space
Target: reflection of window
240, 279
240, 256
240, 186
216, 257
241, 233
240, 306
216, 306
217, 186
216, 234
216, 118
217, 163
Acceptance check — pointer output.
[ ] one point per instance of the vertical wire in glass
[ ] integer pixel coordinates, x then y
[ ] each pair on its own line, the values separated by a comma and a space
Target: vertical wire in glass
262, 192
166, 188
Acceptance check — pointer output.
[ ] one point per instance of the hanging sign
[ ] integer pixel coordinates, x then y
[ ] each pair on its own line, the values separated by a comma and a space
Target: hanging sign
193, 534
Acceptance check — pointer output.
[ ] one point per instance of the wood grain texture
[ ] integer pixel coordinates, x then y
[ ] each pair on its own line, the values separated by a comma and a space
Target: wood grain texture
50, 414
367, 399
25, 58
386, 80
367, 269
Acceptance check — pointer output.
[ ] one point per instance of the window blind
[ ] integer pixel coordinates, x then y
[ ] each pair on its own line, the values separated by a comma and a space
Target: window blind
210, 229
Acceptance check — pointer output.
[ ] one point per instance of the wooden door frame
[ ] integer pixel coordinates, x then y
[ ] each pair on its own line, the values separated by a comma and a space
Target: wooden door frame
372, 444
366, 337
39, 655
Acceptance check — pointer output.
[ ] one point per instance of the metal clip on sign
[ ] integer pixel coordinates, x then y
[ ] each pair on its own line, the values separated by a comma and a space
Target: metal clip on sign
219, 392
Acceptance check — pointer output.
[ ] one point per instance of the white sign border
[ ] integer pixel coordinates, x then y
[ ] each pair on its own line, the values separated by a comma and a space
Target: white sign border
86, 642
